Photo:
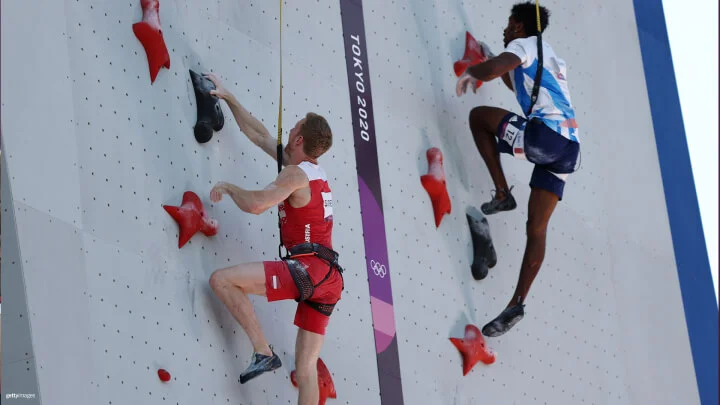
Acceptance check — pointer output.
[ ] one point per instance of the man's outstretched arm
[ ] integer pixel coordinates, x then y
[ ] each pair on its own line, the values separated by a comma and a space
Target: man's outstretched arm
258, 201
498, 66
494, 67
251, 126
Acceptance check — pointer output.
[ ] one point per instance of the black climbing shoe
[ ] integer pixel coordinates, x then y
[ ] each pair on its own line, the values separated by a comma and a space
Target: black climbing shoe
484, 255
495, 205
506, 320
260, 363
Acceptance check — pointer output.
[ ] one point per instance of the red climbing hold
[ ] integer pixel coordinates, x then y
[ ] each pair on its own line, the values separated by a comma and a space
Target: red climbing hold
434, 184
474, 54
149, 32
191, 218
325, 382
164, 375
473, 348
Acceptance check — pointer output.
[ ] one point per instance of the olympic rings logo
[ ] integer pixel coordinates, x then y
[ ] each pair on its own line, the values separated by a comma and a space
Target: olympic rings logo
379, 269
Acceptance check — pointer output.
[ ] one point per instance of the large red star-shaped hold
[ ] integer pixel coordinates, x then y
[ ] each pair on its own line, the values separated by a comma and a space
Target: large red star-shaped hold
191, 218
325, 382
474, 54
473, 348
149, 32
435, 185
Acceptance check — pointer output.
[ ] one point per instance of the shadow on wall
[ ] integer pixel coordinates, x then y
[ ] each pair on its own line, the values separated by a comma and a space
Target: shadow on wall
426, 20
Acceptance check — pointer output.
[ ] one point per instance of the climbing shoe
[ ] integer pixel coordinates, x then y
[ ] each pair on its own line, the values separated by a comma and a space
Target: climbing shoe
506, 320
259, 364
495, 205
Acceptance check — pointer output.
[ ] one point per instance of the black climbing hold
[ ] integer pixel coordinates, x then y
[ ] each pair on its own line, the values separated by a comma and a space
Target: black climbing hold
484, 256
209, 114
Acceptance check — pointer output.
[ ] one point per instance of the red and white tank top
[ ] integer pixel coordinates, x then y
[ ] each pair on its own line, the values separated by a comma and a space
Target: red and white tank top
312, 223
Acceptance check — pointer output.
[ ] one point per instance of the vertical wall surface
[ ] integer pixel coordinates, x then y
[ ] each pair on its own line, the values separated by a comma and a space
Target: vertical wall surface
693, 265
98, 296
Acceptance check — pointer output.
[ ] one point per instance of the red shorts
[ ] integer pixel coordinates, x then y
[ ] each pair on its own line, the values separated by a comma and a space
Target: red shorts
279, 285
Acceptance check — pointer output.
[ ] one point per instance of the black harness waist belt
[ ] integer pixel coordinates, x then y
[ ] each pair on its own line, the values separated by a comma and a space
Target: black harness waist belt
302, 278
318, 250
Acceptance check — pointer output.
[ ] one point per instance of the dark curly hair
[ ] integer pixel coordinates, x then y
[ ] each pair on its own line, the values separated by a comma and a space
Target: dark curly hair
526, 14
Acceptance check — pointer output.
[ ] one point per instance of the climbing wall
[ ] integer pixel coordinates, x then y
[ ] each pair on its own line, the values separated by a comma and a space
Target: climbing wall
94, 149
98, 296
584, 338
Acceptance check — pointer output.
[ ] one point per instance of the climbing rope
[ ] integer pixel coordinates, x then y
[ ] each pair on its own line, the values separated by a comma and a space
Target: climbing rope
538, 74
279, 134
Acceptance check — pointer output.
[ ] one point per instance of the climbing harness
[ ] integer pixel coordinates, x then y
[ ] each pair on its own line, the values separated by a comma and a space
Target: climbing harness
538, 73
279, 151
302, 278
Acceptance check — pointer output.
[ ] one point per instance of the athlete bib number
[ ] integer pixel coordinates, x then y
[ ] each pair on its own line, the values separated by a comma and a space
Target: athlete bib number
327, 204
514, 135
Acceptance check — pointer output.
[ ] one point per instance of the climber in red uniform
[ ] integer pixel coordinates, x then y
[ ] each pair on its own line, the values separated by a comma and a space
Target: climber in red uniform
310, 274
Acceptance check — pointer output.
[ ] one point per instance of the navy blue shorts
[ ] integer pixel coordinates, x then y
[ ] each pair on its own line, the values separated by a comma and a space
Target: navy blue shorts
554, 155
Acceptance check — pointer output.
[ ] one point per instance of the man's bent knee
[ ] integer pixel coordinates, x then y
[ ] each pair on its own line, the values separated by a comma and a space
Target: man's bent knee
486, 118
307, 349
478, 115
249, 277
306, 373
217, 280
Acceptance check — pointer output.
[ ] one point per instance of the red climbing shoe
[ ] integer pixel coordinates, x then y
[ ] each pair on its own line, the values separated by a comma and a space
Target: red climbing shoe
149, 32
473, 348
325, 382
434, 184
191, 218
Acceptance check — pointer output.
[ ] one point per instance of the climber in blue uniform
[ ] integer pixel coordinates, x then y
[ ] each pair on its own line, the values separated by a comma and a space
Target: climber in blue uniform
546, 136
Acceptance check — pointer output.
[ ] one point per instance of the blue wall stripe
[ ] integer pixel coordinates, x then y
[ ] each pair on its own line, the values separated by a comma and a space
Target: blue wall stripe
696, 284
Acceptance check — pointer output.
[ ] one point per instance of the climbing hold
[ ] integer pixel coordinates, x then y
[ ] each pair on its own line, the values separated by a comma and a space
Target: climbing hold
164, 375
434, 184
484, 255
473, 348
209, 113
191, 218
149, 32
325, 382
474, 53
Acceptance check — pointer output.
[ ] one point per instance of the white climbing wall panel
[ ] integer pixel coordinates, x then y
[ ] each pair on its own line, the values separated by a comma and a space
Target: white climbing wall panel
92, 150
